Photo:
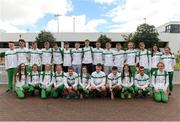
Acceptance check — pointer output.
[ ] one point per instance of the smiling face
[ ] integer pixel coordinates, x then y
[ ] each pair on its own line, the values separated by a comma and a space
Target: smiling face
46, 45
77, 45
142, 46
160, 66
58, 68
34, 45
34, 68
155, 48
11, 45
47, 67
167, 50
130, 45
84, 70
21, 44
70, 71
98, 45
141, 71
23, 67
126, 68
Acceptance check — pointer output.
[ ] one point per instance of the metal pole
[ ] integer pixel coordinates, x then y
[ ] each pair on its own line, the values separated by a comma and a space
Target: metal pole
74, 24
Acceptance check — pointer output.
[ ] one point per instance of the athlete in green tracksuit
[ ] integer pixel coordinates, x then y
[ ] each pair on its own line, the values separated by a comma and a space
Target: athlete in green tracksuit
84, 82
160, 82
21, 85
141, 82
34, 79
58, 85
127, 82
11, 65
46, 81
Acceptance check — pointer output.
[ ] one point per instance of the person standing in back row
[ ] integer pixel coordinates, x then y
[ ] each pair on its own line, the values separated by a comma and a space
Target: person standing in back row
108, 58
87, 56
46, 55
11, 64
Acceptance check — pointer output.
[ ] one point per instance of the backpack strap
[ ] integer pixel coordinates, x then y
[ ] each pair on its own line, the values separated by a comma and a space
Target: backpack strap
82, 52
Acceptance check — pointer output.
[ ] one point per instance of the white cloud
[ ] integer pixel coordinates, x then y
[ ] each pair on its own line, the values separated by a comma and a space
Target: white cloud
104, 1
81, 24
128, 16
20, 12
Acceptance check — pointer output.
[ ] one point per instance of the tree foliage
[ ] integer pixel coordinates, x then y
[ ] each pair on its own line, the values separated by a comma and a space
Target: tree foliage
44, 36
103, 39
147, 34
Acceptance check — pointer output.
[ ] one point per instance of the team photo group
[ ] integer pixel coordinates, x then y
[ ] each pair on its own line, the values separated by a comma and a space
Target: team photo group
79, 73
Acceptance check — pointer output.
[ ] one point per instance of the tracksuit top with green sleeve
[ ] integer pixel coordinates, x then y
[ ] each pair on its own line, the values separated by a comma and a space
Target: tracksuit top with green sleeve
34, 78
141, 81
85, 80
98, 79
97, 56
10, 59
114, 79
119, 58
131, 57
59, 79
46, 56
22, 56
76, 56
67, 57
169, 62
35, 56
160, 80
144, 58
47, 78
71, 81
108, 57
127, 81
156, 58
87, 55
57, 56
22, 81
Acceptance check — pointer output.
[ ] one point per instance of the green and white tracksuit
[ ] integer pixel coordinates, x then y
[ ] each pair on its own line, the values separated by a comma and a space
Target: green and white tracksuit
33, 81
127, 85
77, 59
11, 66
98, 79
67, 57
144, 59
71, 81
23, 57
141, 84
155, 59
169, 62
108, 60
46, 56
84, 83
131, 55
119, 58
97, 56
57, 56
58, 84
46, 80
160, 82
21, 85
87, 58
87, 55
35, 57
114, 79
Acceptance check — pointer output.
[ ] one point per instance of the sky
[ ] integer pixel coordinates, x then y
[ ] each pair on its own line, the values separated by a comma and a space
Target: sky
85, 15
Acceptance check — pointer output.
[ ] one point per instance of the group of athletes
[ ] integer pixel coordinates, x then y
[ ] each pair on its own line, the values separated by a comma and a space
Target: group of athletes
87, 72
